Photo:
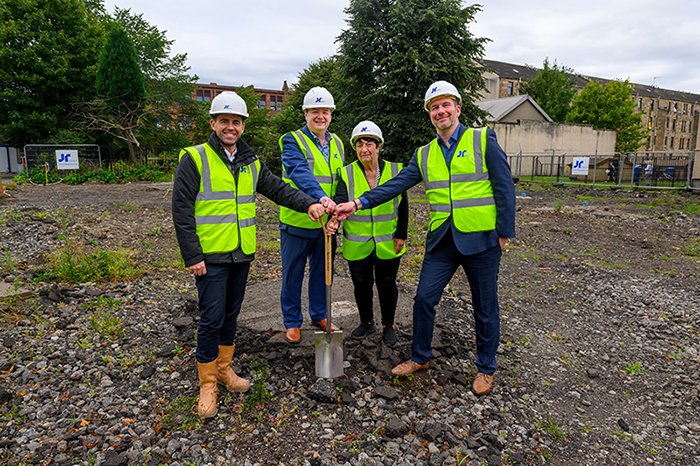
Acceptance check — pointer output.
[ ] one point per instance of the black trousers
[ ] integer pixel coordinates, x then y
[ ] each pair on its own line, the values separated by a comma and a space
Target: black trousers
364, 273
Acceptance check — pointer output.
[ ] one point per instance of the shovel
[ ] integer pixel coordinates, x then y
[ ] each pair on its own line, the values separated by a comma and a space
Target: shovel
329, 345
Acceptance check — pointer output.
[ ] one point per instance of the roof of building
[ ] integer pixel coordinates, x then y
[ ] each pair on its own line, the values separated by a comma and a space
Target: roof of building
499, 108
526, 72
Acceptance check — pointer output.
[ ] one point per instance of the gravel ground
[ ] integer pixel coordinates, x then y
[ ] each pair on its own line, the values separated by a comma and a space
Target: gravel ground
598, 362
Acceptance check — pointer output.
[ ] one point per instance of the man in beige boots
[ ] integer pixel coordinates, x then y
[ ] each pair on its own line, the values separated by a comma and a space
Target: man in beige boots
214, 216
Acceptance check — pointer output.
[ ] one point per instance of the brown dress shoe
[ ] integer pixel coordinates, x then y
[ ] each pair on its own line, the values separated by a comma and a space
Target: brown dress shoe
482, 383
293, 335
323, 325
408, 367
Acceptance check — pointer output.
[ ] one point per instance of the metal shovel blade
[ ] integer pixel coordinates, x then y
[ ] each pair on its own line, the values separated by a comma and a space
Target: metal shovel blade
329, 354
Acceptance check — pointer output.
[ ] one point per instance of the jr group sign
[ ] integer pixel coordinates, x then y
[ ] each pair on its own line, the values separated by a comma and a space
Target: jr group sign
67, 160
580, 166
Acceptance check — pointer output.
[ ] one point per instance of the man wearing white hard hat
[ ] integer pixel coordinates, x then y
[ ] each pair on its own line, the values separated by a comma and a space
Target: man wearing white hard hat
311, 157
472, 214
214, 215
373, 239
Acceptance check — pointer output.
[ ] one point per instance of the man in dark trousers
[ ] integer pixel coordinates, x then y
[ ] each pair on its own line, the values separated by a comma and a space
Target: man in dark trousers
214, 216
472, 214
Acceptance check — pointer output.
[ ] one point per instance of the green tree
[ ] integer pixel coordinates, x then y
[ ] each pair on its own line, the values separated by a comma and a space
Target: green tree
49, 51
121, 94
610, 107
391, 53
553, 89
119, 78
169, 85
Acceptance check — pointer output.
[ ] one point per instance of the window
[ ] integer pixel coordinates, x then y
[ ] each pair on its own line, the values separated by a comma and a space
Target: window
683, 126
510, 87
262, 101
207, 96
681, 143
639, 103
673, 128
685, 109
276, 103
651, 105
651, 122
200, 95
671, 146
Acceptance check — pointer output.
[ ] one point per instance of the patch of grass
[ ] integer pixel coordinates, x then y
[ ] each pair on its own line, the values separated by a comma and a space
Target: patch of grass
558, 205
127, 206
691, 208
691, 247
556, 433
103, 320
71, 263
182, 414
259, 394
7, 264
633, 369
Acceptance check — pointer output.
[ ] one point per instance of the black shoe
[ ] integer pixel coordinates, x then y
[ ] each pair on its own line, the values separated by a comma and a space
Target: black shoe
389, 337
362, 330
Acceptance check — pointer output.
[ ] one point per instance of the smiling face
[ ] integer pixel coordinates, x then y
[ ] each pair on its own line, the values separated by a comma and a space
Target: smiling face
318, 119
444, 114
229, 129
367, 151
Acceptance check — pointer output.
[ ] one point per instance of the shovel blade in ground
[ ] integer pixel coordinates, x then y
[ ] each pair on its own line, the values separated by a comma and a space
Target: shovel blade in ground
329, 354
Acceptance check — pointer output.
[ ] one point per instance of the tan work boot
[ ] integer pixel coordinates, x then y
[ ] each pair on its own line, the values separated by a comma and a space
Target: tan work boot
225, 375
206, 407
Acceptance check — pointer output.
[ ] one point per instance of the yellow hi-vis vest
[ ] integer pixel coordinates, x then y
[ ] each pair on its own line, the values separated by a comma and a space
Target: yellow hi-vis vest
463, 190
368, 229
224, 210
325, 175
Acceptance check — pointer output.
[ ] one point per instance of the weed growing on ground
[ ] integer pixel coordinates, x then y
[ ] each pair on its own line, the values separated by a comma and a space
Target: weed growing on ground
7, 264
556, 433
259, 394
633, 369
103, 320
691, 247
182, 415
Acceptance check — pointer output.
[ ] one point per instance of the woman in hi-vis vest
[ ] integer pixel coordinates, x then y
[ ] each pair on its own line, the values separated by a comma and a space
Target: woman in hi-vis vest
373, 239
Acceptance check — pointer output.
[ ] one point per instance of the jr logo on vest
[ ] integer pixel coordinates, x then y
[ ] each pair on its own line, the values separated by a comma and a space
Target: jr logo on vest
463, 153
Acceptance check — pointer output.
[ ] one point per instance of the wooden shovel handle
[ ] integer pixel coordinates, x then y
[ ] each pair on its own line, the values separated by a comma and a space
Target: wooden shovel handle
328, 254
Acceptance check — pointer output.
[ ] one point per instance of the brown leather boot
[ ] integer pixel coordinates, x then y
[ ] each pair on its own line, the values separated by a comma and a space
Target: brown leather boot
206, 407
225, 375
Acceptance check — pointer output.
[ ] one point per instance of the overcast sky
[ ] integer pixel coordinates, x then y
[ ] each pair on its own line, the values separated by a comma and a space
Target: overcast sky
265, 42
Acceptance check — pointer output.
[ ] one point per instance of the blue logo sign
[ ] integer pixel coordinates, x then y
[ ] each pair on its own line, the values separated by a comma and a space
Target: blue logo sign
463, 153
319, 99
64, 158
578, 164
434, 90
243, 170
226, 107
364, 128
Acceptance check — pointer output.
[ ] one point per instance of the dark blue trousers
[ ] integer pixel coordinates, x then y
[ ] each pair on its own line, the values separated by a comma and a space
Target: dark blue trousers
481, 269
295, 252
221, 291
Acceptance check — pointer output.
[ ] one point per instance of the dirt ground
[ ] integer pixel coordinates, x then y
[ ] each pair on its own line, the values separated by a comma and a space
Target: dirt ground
596, 283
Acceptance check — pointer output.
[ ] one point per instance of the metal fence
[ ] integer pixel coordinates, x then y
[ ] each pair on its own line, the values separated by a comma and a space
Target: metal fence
58, 157
647, 169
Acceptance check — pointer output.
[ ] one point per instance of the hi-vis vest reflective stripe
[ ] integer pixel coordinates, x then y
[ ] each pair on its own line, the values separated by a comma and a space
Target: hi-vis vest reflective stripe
463, 190
368, 229
224, 213
325, 175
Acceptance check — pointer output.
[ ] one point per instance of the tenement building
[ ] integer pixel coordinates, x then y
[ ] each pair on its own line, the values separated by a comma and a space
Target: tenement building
671, 117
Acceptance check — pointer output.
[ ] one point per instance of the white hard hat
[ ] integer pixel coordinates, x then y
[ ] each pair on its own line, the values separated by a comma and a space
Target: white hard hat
441, 89
318, 97
228, 102
366, 129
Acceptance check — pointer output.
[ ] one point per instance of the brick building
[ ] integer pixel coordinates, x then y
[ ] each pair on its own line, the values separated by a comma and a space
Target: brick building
671, 117
270, 99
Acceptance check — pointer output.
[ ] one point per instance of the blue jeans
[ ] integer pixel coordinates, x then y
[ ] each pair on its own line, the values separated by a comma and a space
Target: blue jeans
221, 291
295, 251
481, 269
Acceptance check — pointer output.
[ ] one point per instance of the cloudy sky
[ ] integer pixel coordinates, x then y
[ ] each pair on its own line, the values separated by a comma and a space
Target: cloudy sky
265, 42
